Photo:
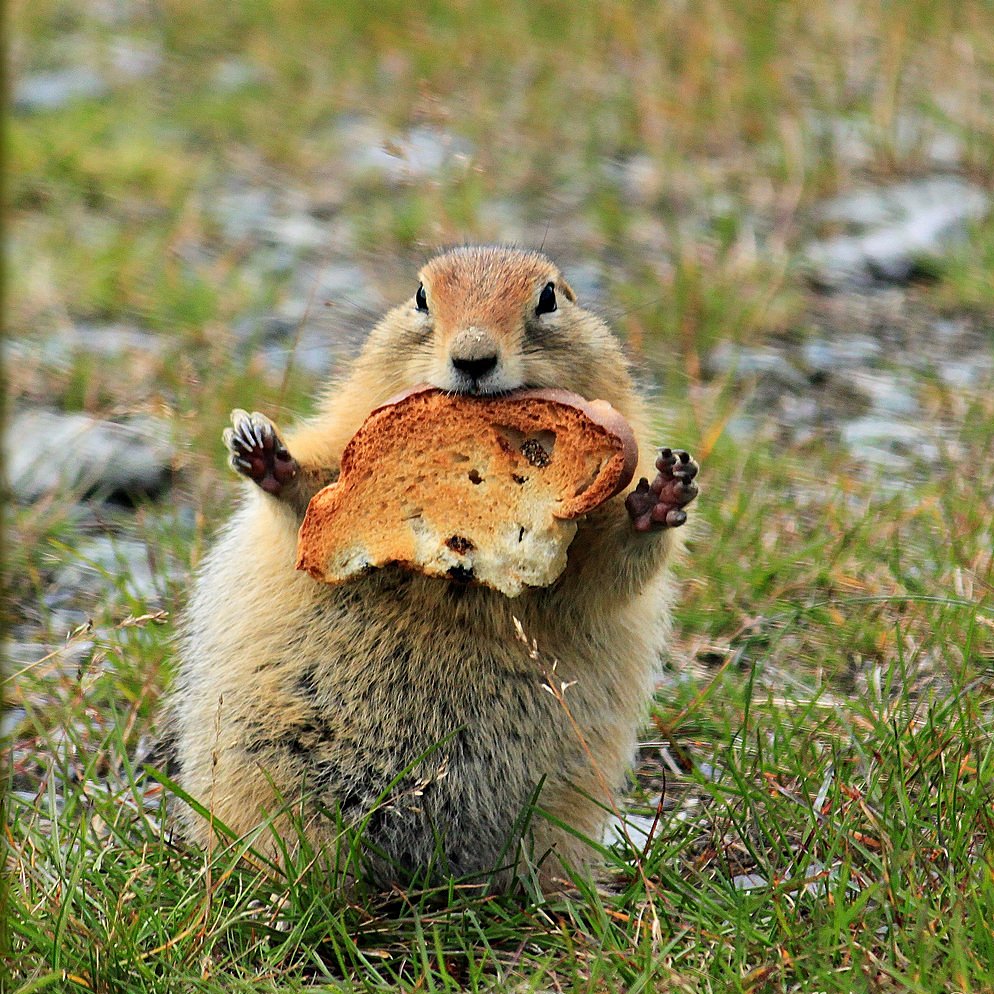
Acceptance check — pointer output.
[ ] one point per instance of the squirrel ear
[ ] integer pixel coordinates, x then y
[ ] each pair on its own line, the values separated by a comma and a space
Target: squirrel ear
566, 290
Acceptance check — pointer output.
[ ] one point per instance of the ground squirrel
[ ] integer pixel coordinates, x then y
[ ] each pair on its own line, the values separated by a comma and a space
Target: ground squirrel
293, 692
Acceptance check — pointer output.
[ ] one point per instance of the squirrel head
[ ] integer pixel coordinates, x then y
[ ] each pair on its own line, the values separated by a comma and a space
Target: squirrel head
491, 318
488, 320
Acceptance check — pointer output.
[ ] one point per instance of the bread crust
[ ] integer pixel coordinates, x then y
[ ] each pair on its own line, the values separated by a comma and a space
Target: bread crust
406, 703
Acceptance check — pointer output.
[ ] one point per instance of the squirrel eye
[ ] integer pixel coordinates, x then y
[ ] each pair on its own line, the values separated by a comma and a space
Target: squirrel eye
547, 300
420, 300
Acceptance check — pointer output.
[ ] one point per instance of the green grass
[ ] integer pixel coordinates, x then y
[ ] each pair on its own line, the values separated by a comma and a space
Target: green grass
865, 822
836, 740
825, 728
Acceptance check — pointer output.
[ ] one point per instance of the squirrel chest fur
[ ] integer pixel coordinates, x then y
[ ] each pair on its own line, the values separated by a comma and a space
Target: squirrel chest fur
409, 704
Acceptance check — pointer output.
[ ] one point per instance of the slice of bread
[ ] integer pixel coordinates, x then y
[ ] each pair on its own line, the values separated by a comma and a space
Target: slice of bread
481, 489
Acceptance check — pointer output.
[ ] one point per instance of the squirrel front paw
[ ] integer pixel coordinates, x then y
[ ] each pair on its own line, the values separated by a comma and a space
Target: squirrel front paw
256, 451
660, 504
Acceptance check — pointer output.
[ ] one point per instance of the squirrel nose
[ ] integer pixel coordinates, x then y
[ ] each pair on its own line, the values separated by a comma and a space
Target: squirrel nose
475, 368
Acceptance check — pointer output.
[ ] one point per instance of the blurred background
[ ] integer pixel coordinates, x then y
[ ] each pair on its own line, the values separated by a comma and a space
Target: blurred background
786, 210
260, 180
783, 209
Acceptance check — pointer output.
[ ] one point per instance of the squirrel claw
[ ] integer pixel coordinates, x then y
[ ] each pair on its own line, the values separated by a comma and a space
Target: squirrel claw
256, 451
657, 505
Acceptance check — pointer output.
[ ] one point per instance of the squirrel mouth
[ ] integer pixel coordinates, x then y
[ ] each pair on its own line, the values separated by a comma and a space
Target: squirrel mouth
476, 389
483, 391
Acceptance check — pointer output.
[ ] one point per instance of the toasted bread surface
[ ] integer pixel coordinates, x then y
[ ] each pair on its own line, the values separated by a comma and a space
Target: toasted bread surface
481, 489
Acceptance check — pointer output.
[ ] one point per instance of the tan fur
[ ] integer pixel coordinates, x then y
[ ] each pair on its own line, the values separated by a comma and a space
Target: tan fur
325, 694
